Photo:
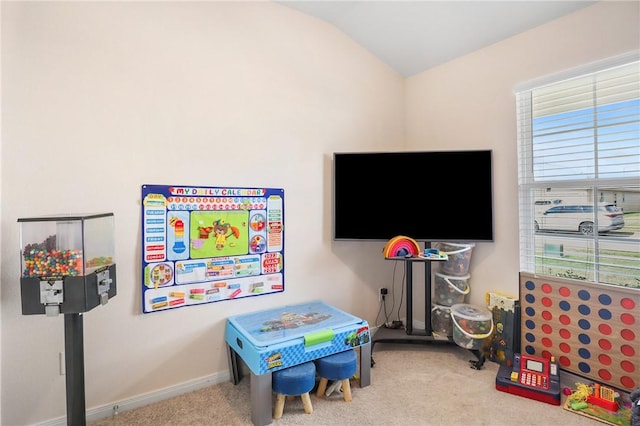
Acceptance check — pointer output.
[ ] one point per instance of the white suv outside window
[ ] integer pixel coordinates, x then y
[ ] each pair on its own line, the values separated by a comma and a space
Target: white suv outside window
580, 218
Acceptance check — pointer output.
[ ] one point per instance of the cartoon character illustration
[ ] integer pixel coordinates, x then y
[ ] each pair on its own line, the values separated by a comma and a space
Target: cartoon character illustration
221, 232
357, 338
289, 320
204, 231
203, 235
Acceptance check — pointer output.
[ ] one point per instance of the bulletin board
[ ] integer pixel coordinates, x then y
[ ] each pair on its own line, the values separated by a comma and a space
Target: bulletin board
591, 329
208, 244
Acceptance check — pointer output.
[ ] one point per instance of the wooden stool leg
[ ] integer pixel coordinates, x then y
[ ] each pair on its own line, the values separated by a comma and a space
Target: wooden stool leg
277, 413
322, 387
306, 402
346, 390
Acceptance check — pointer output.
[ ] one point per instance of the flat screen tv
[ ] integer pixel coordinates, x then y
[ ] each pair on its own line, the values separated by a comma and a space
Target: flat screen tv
426, 195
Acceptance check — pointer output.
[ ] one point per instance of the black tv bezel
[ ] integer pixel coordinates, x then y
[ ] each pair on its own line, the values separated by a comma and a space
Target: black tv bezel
490, 237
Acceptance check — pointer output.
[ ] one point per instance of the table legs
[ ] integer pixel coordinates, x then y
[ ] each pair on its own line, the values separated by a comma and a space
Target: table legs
261, 399
365, 365
261, 392
234, 366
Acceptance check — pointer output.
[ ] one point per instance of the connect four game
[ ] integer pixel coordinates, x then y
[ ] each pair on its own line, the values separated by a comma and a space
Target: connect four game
208, 244
592, 330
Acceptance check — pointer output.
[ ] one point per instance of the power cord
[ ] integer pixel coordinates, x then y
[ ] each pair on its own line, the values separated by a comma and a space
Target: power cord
397, 324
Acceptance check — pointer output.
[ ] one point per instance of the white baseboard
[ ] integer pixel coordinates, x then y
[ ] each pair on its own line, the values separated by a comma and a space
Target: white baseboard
105, 411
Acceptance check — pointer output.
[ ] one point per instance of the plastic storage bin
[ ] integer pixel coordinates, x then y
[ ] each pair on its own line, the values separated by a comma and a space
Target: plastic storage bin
459, 258
441, 320
450, 290
471, 325
67, 263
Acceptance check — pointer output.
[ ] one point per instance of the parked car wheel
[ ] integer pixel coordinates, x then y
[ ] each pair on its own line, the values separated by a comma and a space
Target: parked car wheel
586, 228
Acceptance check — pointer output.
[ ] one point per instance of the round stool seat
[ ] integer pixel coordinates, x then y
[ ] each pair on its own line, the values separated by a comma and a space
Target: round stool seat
293, 381
339, 366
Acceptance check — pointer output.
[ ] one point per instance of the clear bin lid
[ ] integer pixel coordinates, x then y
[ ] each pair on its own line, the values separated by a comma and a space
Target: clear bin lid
443, 307
453, 277
461, 245
63, 217
471, 312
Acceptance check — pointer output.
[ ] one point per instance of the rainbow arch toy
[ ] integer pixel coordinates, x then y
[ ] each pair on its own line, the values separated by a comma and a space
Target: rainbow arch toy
401, 246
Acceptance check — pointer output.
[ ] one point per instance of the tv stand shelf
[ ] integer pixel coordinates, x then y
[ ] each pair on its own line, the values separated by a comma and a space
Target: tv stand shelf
410, 335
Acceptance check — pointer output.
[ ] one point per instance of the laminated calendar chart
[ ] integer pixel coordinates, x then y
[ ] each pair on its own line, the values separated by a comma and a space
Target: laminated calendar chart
208, 244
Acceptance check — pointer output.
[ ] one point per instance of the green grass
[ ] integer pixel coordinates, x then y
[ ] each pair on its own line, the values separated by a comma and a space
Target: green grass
632, 222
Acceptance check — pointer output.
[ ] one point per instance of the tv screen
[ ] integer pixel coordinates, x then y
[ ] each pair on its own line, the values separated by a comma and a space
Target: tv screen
428, 195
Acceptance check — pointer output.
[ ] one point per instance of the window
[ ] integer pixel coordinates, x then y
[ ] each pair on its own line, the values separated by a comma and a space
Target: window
579, 174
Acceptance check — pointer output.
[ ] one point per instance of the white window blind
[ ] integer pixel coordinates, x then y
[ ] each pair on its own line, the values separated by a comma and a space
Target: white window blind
579, 176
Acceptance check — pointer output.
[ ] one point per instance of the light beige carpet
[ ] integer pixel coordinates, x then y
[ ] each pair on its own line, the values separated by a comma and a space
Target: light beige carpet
410, 385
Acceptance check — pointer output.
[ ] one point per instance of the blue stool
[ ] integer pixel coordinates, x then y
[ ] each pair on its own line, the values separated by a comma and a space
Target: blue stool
341, 366
293, 381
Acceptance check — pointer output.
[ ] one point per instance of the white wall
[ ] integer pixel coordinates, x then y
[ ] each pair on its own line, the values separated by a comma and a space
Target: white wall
0, 215
469, 103
100, 98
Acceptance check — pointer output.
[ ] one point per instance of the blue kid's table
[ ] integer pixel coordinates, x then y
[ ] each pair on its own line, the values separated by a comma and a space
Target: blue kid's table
274, 339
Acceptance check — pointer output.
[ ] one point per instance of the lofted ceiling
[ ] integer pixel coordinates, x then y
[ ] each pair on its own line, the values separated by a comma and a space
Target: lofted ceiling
413, 36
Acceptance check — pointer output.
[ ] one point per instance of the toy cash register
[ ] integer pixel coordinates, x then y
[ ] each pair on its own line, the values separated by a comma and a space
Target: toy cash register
531, 377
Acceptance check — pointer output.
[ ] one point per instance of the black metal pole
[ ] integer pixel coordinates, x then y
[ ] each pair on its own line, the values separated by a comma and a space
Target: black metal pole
408, 265
74, 366
427, 293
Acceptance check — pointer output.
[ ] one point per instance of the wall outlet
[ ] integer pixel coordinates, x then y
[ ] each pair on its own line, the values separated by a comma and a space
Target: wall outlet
382, 293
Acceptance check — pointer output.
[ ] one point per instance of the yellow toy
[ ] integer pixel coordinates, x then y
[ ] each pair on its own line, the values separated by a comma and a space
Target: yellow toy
595, 394
581, 393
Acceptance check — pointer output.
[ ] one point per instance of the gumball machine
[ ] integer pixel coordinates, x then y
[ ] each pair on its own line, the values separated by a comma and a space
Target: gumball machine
68, 267
68, 263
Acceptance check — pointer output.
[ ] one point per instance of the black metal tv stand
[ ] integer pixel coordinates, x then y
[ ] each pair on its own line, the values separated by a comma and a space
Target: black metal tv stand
409, 335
